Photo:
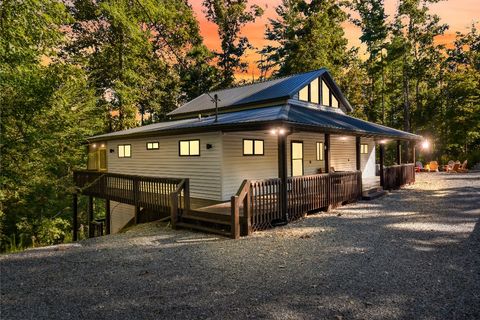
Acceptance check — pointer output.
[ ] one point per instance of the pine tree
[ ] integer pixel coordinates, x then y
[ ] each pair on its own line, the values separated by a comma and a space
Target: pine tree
307, 35
230, 16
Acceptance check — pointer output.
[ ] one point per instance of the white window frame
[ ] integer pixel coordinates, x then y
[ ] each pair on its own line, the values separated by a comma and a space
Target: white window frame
122, 150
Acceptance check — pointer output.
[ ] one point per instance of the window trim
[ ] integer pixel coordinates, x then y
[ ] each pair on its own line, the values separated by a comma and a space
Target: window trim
322, 147
189, 155
123, 145
158, 145
253, 148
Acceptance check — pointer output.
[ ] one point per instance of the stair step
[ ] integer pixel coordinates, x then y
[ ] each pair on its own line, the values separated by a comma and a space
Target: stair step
374, 195
205, 219
204, 229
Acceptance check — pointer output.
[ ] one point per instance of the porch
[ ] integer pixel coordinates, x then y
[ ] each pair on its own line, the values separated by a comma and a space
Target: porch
258, 204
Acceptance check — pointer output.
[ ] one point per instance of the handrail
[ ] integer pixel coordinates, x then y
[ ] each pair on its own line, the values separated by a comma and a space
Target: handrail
175, 213
242, 195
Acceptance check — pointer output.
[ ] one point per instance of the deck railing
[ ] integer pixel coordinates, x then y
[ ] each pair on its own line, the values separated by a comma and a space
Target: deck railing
304, 194
155, 195
398, 175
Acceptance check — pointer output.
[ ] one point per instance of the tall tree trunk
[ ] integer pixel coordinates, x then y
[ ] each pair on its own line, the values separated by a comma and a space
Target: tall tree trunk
406, 102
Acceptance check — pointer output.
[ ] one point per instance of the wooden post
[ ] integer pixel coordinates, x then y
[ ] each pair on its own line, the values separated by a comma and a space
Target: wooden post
174, 209
235, 217
382, 162
358, 158
399, 152
282, 174
107, 216
75, 217
136, 193
413, 152
91, 230
247, 212
327, 152
186, 194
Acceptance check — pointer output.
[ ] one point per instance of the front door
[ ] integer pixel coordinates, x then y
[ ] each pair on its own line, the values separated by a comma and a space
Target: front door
297, 158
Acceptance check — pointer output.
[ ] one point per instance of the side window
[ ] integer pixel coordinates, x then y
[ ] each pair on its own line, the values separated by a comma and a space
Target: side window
253, 147
152, 145
364, 148
189, 148
124, 151
320, 151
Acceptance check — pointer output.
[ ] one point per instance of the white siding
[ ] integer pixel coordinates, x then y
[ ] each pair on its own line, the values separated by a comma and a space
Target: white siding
121, 214
204, 171
343, 153
368, 160
237, 167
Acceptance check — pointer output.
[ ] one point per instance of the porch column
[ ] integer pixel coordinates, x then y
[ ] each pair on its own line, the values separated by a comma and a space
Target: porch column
282, 173
327, 152
107, 216
90, 217
382, 156
358, 158
399, 152
75, 217
413, 151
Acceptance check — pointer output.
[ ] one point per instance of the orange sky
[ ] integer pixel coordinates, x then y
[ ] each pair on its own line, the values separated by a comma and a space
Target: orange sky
458, 14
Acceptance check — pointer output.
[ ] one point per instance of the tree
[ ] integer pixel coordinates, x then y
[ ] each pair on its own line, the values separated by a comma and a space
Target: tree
230, 16
307, 35
374, 34
47, 110
134, 53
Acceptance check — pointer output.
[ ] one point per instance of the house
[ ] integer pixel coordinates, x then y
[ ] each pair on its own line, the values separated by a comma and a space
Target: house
290, 143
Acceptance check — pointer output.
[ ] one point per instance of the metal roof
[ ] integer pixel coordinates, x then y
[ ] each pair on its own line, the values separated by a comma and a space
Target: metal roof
272, 90
299, 117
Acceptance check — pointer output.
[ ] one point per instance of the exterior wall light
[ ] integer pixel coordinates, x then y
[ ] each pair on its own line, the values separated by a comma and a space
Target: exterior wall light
94, 145
384, 141
280, 131
102, 145
425, 145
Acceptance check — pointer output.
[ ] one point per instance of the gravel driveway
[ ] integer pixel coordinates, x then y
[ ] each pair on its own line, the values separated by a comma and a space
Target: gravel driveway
413, 254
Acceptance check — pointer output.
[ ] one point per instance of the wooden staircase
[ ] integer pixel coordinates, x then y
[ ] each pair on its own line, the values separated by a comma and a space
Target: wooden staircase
205, 222
373, 193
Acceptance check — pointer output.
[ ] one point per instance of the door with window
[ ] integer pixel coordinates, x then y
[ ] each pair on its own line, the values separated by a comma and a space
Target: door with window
297, 158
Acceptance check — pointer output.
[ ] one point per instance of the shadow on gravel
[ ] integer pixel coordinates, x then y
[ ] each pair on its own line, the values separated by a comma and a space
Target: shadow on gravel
414, 254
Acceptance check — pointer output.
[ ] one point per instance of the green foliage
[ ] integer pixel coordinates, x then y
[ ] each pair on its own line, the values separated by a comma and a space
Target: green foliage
230, 16
307, 35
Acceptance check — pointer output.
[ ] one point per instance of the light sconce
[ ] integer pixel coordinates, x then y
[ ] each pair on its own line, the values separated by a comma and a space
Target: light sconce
94, 145
344, 138
425, 145
102, 145
209, 146
384, 141
112, 150
276, 131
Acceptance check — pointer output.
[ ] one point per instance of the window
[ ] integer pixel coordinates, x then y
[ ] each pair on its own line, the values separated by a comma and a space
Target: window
364, 148
325, 94
303, 94
334, 102
320, 151
124, 150
314, 91
297, 158
189, 148
252, 147
152, 145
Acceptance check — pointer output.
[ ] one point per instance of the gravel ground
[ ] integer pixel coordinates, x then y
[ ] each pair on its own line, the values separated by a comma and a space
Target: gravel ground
413, 254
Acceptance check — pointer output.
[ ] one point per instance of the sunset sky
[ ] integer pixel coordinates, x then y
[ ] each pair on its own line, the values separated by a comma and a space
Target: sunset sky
458, 14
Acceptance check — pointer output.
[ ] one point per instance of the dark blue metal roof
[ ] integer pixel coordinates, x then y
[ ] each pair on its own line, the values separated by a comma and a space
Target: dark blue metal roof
298, 116
257, 93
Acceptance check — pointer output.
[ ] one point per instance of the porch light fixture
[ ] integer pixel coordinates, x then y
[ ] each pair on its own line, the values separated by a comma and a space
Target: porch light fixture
425, 145
94, 145
384, 141
280, 131
343, 138
102, 145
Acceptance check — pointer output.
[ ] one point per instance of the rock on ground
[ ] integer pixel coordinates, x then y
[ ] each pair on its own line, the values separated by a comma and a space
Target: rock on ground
413, 254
